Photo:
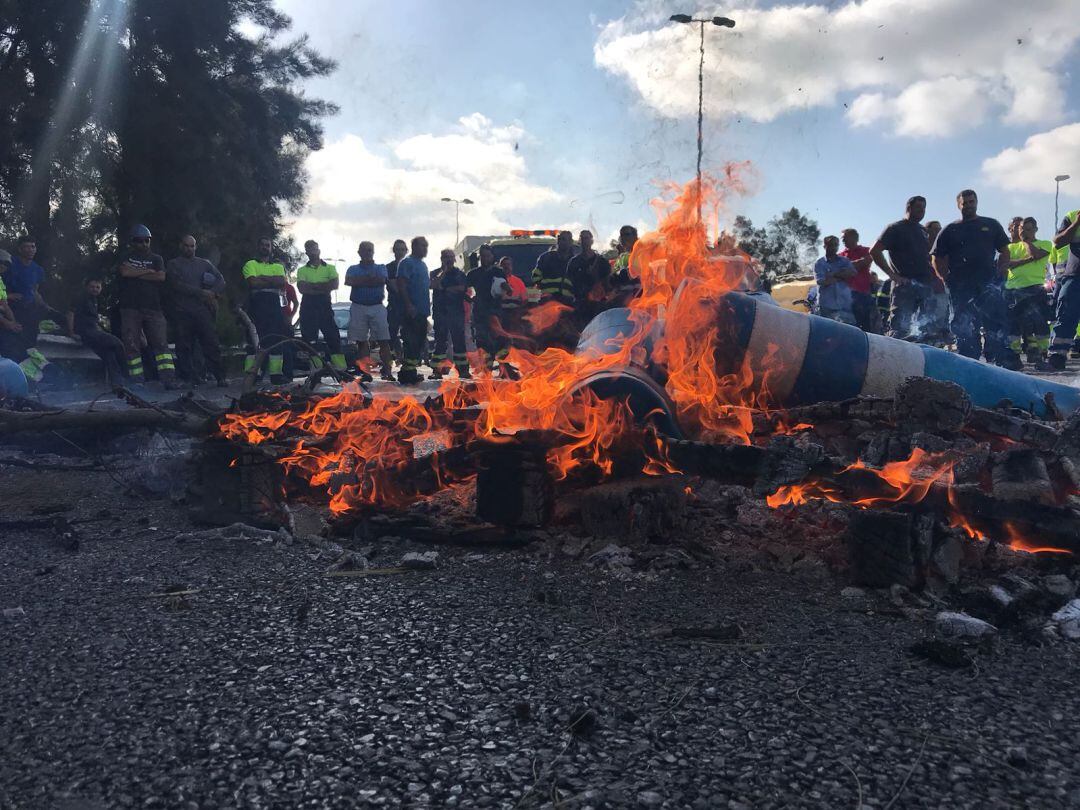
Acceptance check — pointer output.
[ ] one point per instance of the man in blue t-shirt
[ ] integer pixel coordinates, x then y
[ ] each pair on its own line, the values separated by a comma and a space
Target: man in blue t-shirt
367, 315
972, 256
832, 273
414, 284
23, 281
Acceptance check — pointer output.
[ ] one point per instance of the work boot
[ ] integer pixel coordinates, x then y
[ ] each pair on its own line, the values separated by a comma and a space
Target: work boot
1034, 356
464, 373
388, 376
408, 376
435, 375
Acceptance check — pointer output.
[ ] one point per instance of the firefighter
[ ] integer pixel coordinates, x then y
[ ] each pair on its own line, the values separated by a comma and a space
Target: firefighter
266, 285
448, 285
552, 272
316, 280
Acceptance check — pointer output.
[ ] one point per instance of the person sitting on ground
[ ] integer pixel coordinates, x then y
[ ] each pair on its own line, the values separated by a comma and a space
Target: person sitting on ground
367, 314
832, 272
1025, 293
862, 299
84, 322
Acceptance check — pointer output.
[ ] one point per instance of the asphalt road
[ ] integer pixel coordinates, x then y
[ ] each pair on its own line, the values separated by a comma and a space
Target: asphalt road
506, 679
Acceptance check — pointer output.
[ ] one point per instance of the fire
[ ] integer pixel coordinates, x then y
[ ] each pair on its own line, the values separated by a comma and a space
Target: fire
900, 475
362, 450
1017, 542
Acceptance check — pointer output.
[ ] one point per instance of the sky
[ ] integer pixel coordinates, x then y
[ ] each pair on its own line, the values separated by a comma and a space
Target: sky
578, 113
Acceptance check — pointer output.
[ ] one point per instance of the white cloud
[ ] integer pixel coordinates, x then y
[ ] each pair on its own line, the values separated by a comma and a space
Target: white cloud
1033, 166
358, 194
926, 68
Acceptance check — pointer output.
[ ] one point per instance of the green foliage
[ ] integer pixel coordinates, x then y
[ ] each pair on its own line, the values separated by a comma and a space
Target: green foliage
786, 246
166, 113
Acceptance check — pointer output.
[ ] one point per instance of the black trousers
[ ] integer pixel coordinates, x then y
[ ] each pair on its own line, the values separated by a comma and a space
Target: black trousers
264, 308
449, 329
110, 349
316, 317
196, 326
414, 336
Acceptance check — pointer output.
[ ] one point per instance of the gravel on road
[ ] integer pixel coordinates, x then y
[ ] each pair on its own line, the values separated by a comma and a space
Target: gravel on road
153, 669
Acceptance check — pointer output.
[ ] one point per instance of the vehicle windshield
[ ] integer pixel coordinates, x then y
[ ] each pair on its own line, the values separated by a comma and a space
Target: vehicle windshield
523, 256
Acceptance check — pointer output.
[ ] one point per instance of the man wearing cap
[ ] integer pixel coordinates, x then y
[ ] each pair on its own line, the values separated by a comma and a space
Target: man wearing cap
141, 275
316, 280
195, 285
265, 280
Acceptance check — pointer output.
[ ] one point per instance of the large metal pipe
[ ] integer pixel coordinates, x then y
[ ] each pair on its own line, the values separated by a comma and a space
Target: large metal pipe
804, 359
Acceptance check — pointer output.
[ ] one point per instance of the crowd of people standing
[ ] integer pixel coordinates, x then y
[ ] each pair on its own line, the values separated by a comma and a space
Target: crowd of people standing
971, 283
1004, 296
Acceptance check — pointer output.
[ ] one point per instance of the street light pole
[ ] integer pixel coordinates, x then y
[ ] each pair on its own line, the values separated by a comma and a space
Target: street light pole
1061, 178
724, 22
457, 215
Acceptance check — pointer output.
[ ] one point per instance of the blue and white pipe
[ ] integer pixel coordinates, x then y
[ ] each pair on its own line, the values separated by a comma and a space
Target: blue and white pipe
805, 359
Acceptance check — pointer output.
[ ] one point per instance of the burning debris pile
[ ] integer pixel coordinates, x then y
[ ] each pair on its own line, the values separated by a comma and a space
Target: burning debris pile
699, 414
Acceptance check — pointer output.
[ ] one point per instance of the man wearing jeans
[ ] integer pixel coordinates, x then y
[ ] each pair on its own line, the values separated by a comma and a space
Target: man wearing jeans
367, 315
915, 309
1066, 291
832, 273
862, 301
414, 284
972, 256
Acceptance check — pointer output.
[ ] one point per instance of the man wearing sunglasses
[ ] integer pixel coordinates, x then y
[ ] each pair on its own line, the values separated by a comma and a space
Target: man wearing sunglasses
142, 276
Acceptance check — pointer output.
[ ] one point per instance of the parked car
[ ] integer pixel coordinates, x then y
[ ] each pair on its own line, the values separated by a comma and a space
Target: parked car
341, 320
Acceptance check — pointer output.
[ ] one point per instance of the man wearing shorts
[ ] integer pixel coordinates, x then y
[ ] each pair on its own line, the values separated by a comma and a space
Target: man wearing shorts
367, 315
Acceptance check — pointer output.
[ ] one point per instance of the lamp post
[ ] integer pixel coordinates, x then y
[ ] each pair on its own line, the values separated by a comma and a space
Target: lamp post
457, 216
1061, 178
722, 22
